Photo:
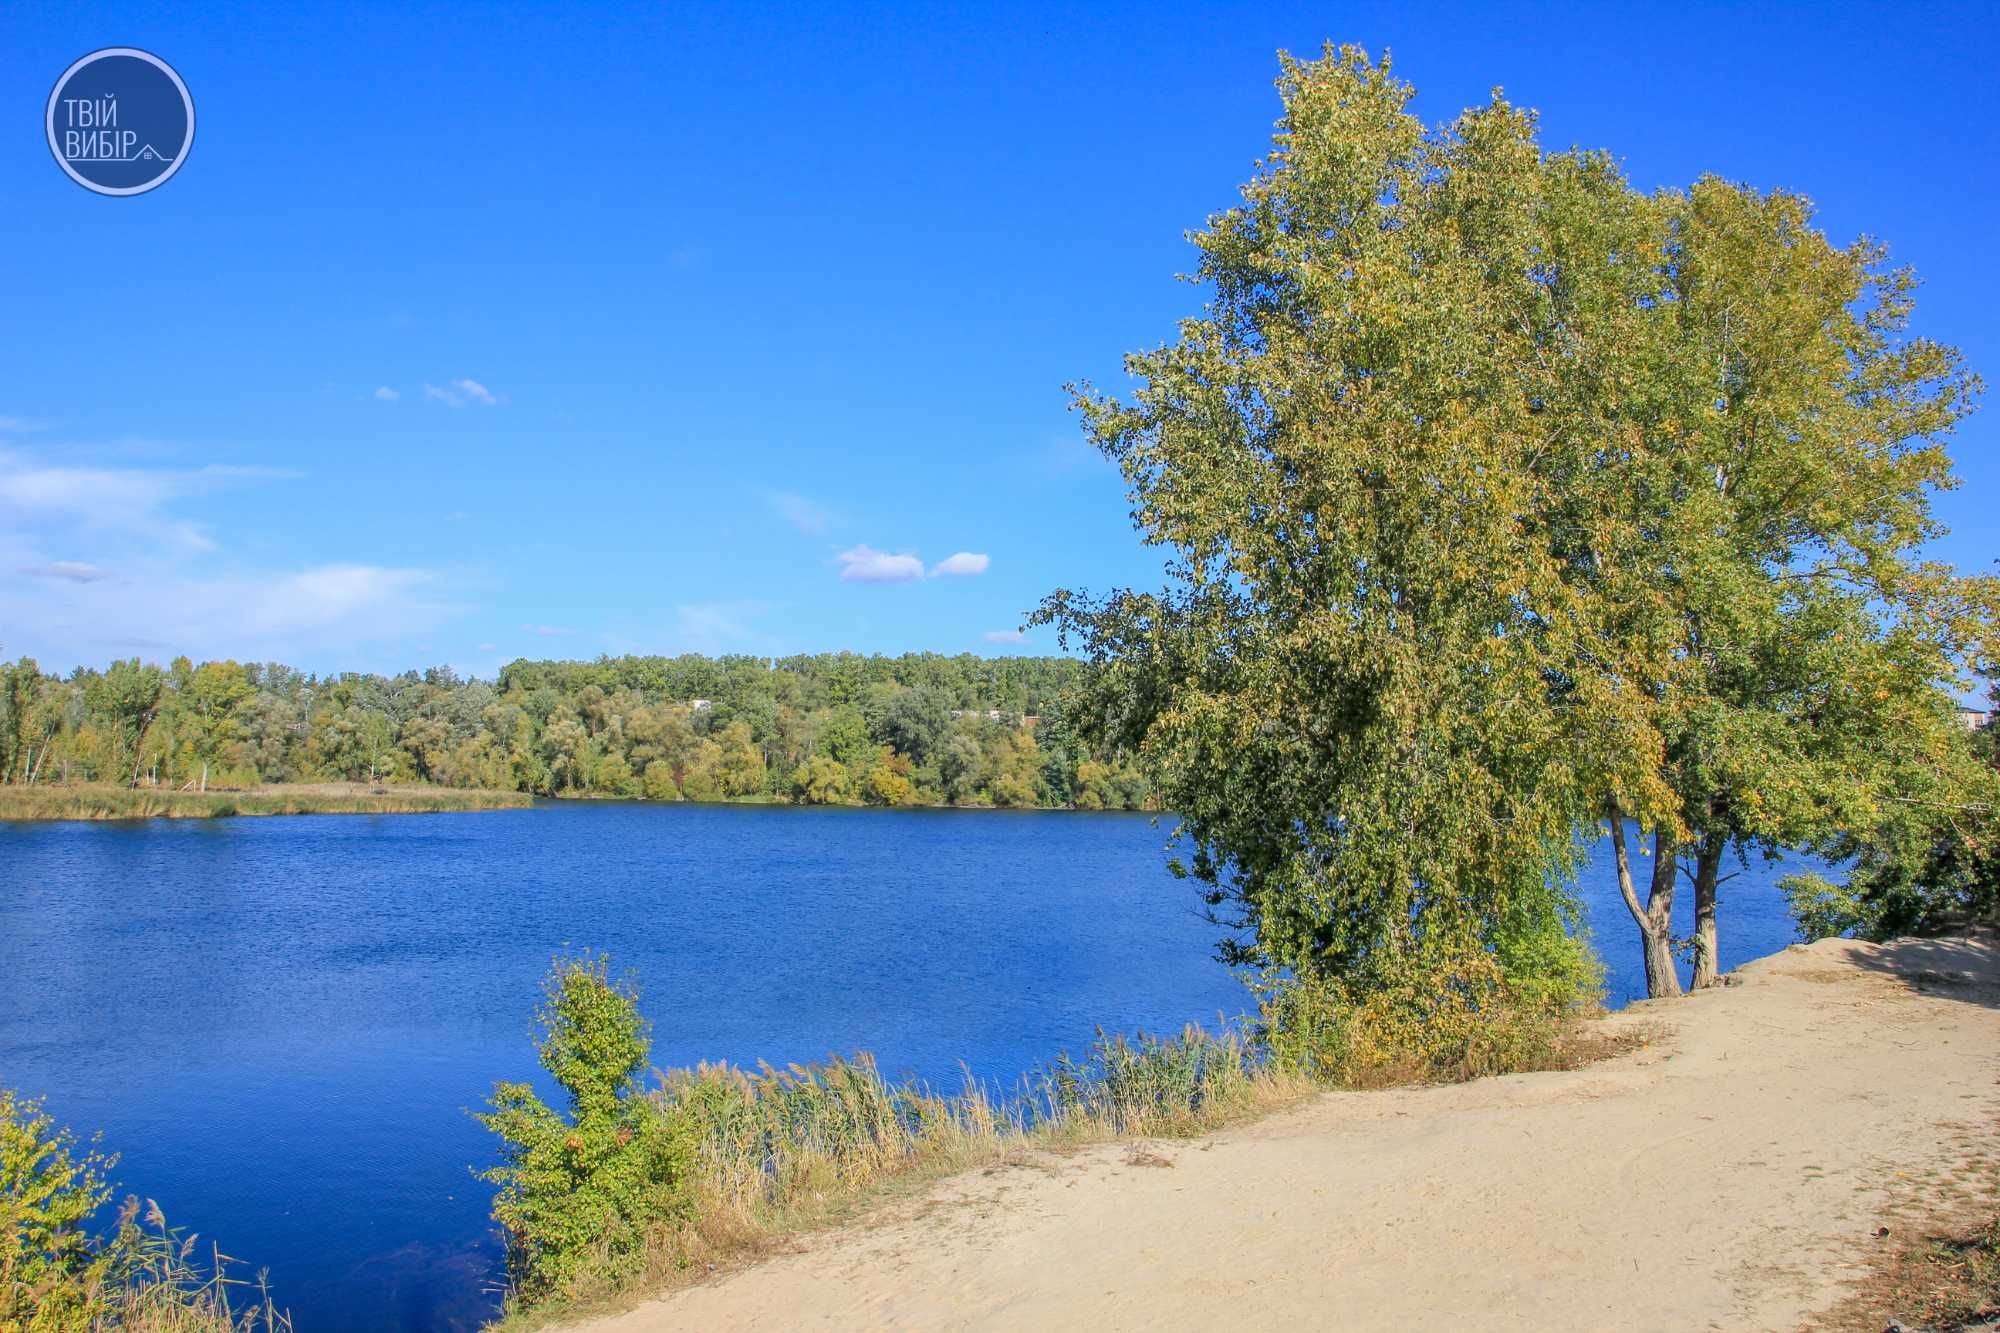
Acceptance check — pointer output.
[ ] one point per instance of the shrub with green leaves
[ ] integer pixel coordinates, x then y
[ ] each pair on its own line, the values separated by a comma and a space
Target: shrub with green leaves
1441, 1017
51, 1275
579, 1193
59, 1276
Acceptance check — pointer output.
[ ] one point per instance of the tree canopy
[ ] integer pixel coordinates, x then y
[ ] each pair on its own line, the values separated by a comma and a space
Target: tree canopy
1505, 500
827, 728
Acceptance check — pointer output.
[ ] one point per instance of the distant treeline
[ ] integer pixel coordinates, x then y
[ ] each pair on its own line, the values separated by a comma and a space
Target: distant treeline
832, 728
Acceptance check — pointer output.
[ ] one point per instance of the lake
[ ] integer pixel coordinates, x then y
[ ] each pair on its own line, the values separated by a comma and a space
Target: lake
280, 1023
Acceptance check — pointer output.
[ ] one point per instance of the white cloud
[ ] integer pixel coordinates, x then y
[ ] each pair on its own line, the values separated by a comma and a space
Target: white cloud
18, 425
865, 564
386, 394
123, 501
1005, 636
549, 631
321, 612
457, 393
489, 647
807, 515
71, 571
170, 592
961, 564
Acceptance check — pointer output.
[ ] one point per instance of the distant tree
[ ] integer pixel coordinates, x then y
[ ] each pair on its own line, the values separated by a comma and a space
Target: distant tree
820, 781
916, 722
615, 725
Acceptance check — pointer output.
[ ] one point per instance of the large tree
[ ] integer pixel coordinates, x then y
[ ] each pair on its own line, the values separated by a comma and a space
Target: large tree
1345, 693
1750, 532
1506, 502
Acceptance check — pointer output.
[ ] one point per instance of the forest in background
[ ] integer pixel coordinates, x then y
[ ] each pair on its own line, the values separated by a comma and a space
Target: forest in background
829, 728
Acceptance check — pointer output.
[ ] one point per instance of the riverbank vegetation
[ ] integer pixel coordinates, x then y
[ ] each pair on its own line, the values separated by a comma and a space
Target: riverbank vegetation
100, 800
626, 1187
59, 1274
1509, 506
832, 729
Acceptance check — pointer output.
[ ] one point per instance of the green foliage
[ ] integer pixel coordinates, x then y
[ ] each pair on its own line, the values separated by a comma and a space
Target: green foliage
1822, 908
820, 781
1919, 865
50, 1271
1436, 1019
578, 1192
1503, 499
58, 1276
1345, 692
959, 730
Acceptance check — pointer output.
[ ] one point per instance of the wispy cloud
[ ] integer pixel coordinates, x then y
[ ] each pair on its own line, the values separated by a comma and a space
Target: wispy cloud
20, 426
70, 571
865, 564
386, 394
126, 501
458, 393
549, 631
961, 564
807, 515
276, 615
1005, 636
105, 559
489, 647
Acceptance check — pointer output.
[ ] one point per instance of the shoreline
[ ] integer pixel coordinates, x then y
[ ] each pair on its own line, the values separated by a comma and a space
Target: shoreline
1732, 1172
56, 803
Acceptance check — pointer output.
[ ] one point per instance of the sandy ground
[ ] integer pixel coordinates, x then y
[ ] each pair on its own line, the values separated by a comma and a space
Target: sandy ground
1729, 1175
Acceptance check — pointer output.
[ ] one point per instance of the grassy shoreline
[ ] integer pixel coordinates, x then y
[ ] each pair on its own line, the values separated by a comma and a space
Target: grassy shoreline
628, 1192
54, 801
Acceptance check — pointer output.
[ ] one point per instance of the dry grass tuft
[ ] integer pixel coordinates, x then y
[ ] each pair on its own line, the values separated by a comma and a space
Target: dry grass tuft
105, 801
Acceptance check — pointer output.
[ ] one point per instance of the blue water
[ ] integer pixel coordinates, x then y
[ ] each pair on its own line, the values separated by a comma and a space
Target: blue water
280, 1023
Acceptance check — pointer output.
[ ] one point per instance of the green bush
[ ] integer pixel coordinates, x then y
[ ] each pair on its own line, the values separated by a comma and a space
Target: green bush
578, 1194
51, 1275
1821, 908
1431, 1020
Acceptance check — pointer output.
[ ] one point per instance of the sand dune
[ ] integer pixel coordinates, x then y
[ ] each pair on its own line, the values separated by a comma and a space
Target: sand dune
1729, 1175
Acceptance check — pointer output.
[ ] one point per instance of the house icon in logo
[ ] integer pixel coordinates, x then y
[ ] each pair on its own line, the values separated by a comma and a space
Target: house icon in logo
150, 154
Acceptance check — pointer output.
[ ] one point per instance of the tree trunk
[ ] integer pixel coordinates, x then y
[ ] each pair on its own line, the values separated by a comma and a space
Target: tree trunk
1655, 917
1707, 866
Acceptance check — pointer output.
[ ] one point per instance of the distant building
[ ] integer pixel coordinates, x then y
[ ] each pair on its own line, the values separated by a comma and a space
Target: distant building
701, 705
1973, 718
994, 715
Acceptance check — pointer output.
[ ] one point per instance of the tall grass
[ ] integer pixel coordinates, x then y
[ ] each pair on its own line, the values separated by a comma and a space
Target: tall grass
104, 801
159, 1282
763, 1154
779, 1151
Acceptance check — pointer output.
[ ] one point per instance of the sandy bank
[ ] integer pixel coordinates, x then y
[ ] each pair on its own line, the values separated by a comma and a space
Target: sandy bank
1729, 1175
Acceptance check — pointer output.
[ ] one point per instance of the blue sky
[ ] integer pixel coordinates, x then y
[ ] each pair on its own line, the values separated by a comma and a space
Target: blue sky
475, 332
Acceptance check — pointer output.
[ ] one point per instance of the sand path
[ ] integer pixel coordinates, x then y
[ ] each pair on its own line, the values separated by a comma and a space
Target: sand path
1727, 1176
